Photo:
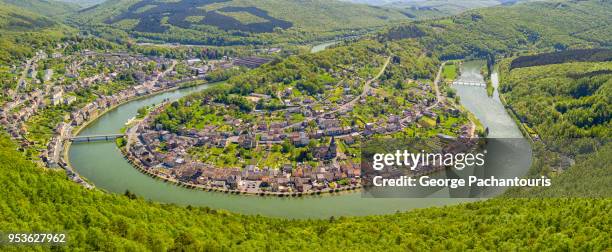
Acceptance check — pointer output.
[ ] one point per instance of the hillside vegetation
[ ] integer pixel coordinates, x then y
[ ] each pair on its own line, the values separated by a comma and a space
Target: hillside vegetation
13, 18
235, 22
23, 32
566, 108
580, 55
568, 100
520, 28
43, 7
441, 8
37, 200
83, 3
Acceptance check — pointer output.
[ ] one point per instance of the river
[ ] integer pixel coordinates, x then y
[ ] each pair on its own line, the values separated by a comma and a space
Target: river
323, 46
489, 110
103, 165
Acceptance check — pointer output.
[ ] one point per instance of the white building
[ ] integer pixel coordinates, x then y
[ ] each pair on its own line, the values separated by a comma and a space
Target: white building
57, 98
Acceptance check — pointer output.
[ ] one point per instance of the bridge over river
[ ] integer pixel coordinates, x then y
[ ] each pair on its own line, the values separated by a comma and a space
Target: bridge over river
470, 83
470, 75
96, 138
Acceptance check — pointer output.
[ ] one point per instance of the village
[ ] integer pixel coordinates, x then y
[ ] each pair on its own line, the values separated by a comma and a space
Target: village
39, 90
321, 131
318, 125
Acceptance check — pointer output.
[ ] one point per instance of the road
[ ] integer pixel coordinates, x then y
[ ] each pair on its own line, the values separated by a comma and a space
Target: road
436, 86
367, 87
344, 107
24, 73
440, 98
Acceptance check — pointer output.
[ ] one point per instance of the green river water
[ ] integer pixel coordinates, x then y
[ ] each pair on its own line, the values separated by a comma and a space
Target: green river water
102, 164
323, 46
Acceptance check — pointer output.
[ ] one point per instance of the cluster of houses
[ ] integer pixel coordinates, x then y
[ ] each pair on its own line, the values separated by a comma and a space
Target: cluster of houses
29, 100
23, 104
167, 154
176, 164
31, 95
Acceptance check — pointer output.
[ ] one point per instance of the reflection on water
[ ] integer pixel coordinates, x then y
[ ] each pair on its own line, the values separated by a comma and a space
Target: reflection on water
489, 110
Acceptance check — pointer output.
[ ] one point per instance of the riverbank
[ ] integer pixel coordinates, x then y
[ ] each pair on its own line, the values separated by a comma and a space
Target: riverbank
141, 168
515, 118
139, 152
105, 165
65, 161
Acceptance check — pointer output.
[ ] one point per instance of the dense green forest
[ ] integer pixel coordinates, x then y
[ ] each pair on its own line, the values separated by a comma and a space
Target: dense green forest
578, 55
440, 8
22, 32
44, 7
521, 28
568, 100
566, 109
40, 200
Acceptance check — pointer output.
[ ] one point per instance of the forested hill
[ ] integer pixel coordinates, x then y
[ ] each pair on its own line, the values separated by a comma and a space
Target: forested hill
563, 101
227, 22
13, 18
42, 7
440, 8
24, 31
521, 28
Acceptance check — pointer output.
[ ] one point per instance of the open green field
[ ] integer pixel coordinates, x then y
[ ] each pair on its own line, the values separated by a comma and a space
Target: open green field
450, 71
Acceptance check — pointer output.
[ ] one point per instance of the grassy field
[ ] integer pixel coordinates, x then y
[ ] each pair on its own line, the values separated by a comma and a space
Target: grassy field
427, 122
450, 71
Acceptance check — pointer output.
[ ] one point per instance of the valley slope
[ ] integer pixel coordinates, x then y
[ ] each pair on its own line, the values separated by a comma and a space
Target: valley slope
23, 29
425, 9
43, 7
521, 28
232, 22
